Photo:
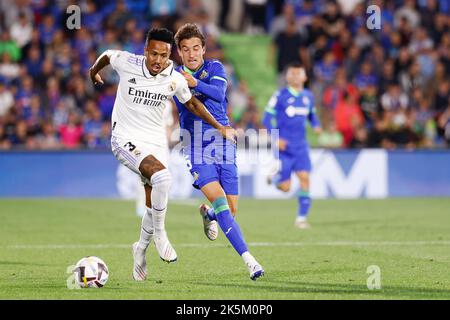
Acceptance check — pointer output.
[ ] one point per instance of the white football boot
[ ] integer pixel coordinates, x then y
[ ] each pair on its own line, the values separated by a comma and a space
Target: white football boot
209, 226
165, 250
253, 266
140, 264
301, 223
255, 269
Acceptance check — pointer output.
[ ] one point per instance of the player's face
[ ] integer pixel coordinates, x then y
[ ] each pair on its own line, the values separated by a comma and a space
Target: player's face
157, 54
191, 52
296, 77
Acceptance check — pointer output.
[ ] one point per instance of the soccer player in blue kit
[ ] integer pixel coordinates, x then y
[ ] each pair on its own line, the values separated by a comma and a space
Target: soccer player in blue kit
288, 111
215, 172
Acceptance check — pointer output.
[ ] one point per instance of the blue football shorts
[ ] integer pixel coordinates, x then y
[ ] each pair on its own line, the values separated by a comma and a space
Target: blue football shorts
293, 162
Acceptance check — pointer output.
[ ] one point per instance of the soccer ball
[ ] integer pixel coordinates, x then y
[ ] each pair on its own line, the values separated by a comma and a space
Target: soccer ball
91, 272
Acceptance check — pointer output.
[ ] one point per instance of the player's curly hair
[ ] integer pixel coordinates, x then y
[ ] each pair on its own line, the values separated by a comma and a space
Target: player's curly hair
159, 34
188, 31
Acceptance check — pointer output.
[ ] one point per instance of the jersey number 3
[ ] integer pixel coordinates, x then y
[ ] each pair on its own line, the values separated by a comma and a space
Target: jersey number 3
130, 146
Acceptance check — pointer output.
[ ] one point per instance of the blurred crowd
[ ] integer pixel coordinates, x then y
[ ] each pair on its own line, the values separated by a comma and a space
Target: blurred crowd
385, 87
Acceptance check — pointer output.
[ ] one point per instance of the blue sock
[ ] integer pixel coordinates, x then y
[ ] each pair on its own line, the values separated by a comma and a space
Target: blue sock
228, 225
211, 215
304, 203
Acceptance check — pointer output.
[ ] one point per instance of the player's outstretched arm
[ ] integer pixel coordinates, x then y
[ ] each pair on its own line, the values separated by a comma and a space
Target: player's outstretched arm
99, 64
198, 108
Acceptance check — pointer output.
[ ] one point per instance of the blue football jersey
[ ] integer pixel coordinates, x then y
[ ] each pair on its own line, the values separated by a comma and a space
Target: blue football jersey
288, 111
211, 91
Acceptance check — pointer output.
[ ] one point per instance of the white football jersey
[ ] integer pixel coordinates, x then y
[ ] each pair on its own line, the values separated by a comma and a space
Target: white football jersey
141, 98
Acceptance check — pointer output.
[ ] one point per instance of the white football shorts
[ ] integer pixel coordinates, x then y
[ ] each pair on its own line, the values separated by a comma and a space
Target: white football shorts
131, 152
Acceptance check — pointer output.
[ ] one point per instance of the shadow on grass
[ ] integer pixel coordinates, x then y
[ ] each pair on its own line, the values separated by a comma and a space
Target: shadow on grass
386, 292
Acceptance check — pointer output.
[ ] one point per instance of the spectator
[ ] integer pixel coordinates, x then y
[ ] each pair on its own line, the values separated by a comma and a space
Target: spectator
120, 15
6, 100
444, 125
409, 12
394, 99
21, 31
5, 143
330, 136
348, 117
279, 24
47, 29
413, 78
288, 46
72, 132
366, 77
9, 47
360, 138
92, 128
48, 139
255, 14
9, 70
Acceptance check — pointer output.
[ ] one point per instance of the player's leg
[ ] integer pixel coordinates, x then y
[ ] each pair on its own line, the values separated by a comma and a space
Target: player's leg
147, 232
304, 200
302, 170
203, 174
282, 179
209, 211
159, 177
233, 203
216, 192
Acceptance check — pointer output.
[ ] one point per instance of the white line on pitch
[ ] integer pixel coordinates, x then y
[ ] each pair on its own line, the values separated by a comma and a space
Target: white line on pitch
251, 244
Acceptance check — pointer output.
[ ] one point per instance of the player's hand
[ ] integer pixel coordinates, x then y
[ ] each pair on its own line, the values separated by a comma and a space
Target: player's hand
95, 77
282, 144
229, 133
192, 82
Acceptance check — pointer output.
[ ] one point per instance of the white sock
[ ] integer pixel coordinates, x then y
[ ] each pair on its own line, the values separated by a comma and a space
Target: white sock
160, 195
147, 229
248, 258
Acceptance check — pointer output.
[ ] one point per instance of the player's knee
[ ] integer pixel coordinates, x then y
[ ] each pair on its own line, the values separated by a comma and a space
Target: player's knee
284, 187
161, 180
149, 166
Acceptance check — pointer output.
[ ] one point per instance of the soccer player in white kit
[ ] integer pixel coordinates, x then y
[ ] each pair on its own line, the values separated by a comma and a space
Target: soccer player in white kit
138, 134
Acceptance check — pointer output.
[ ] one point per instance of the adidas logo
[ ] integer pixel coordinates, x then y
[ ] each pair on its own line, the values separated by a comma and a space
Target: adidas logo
132, 80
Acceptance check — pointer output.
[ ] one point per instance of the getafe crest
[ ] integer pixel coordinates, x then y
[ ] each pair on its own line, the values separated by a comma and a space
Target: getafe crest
203, 75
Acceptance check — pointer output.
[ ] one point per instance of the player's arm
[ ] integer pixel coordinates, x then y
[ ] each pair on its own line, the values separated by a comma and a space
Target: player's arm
217, 87
270, 113
102, 61
313, 119
198, 108
270, 120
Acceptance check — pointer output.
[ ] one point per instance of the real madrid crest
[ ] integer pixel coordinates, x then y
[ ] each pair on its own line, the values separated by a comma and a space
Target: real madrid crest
172, 86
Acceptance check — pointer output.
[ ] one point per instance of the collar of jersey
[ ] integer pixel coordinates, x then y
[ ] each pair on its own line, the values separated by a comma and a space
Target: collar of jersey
166, 72
294, 92
186, 69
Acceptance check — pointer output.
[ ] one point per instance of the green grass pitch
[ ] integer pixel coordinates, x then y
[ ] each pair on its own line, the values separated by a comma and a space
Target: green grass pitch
408, 239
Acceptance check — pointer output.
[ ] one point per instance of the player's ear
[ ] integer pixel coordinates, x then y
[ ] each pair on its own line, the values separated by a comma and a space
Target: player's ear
203, 50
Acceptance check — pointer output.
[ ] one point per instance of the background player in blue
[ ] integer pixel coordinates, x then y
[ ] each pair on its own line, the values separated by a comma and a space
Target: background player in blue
287, 110
216, 174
